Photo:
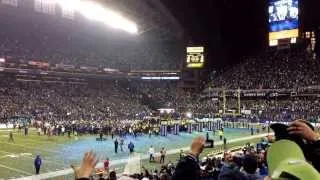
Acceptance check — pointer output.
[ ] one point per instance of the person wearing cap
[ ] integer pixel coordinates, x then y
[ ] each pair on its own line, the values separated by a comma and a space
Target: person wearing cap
188, 167
302, 133
286, 161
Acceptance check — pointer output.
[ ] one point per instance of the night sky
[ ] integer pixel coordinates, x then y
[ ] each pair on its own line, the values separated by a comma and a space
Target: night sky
231, 29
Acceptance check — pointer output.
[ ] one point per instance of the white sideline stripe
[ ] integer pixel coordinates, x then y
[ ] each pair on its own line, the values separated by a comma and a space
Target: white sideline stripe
30, 144
30, 157
122, 161
14, 169
37, 141
134, 164
48, 175
39, 149
31, 135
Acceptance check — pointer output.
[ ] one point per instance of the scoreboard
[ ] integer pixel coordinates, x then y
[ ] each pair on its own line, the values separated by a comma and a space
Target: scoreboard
283, 20
195, 57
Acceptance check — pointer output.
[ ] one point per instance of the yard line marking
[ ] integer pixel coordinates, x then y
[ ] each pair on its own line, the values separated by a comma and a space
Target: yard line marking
30, 144
122, 161
134, 164
45, 167
44, 160
38, 149
30, 139
43, 141
14, 169
48, 175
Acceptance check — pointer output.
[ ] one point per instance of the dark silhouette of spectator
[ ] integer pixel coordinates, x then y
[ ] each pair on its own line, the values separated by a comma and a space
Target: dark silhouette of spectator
37, 164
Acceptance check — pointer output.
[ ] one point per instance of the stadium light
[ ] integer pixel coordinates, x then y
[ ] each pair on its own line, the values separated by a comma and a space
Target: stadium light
116, 20
48, 2
96, 12
92, 10
69, 4
188, 114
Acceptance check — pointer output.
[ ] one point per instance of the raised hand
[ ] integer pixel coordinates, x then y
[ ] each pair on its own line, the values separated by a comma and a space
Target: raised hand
89, 162
299, 127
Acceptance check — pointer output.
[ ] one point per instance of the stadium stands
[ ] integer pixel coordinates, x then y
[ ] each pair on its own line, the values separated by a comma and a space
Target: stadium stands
56, 40
271, 70
288, 82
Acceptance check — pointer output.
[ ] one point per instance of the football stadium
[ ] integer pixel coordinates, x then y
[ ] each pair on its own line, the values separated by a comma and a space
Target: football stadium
159, 90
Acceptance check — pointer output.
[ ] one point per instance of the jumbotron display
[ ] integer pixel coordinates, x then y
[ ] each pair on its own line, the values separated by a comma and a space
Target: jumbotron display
283, 20
195, 57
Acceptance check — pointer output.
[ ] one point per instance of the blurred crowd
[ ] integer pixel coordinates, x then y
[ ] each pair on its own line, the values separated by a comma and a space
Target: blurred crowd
70, 42
86, 105
249, 161
266, 160
62, 102
271, 70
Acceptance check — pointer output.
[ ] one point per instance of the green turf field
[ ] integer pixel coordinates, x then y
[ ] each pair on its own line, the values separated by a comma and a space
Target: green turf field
16, 159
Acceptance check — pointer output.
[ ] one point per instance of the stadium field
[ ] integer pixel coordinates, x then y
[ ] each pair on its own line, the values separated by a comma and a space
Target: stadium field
58, 153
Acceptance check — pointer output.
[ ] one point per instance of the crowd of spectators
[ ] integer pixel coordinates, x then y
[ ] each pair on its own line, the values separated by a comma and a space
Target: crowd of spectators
56, 40
127, 100
265, 160
122, 103
93, 101
271, 70
285, 110
248, 161
115, 103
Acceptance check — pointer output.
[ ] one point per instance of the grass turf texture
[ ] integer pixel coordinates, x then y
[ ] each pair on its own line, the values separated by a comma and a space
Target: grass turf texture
16, 159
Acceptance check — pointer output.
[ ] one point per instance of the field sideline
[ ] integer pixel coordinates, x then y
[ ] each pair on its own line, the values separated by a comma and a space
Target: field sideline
17, 158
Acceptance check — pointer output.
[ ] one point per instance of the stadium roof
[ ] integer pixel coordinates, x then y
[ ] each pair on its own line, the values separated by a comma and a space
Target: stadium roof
151, 16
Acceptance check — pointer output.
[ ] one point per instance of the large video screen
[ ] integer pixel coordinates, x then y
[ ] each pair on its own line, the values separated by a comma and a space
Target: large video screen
283, 15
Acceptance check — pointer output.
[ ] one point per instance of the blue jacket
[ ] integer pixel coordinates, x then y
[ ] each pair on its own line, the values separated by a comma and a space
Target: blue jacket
131, 146
37, 161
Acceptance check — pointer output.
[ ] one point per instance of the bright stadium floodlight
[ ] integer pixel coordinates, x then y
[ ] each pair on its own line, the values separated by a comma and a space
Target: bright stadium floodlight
48, 2
92, 11
116, 20
96, 12
189, 114
69, 4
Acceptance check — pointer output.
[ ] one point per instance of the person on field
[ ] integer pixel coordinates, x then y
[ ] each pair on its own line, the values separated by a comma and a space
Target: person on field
11, 137
37, 164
